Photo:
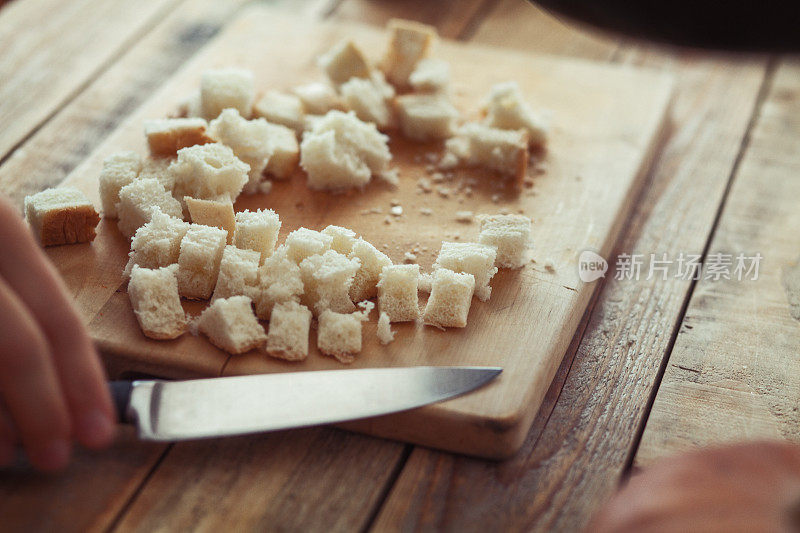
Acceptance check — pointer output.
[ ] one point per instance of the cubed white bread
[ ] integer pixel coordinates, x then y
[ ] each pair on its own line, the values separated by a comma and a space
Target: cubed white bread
231, 325
339, 335
373, 261
285, 151
156, 304
208, 171
166, 136
288, 331
217, 213
341, 151
249, 140
450, 299
224, 88
470, 258
502, 151
409, 42
343, 238
281, 108
198, 261
137, 201
304, 242
238, 273
385, 333
370, 99
62, 215
509, 234
506, 109
430, 75
157, 243
397, 292
426, 117
158, 168
279, 281
119, 170
317, 97
344, 61
257, 230
326, 282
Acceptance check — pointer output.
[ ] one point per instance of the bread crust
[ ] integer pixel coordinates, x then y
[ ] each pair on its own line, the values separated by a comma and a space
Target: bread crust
69, 225
167, 143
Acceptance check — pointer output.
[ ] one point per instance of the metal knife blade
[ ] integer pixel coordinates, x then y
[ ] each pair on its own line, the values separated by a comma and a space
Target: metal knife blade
216, 407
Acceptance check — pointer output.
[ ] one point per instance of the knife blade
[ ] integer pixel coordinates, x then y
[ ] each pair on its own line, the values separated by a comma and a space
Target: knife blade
217, 407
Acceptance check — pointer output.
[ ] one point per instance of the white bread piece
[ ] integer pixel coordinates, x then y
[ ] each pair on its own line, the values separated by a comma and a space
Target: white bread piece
509, 234
409, 42
217, 213
157, 243
339, 334
326, 282
343, 238
426, 117
506, 109
198, 261
281, 108
451, 296
285, 151
385, 333
317, 97
238, 273
119, 170
158, 168
154, 297
279, 281
431, 75
503, 151
344, 61
397, 292
62, 215
370, 99
249, 140
365, 282
425, 281
137, 201
470, 258
304, 242
257, 230
289, 326
208, 171
224, 88
341, 151
231, 325
168, 135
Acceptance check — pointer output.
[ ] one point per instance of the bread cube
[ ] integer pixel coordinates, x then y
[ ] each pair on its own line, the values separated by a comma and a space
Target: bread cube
397, 292
166, 136
281, 108
470, 258
339, 335
503, 151
158, 168
198, 261
216, 213
365, 282
506, 109
509, 234
430, 75
451, 296
326, 282
137, 201
62, 215
249, 140
288, 331
341, 151
285, 151
409, 42
231, 325
257, 230
238, 273
370, 99
304, 242
426, 117
279, 281
224, 88
119, 170
157, 243
385, 333
156, 304
318, 98
344, 61
343, 239
209, 171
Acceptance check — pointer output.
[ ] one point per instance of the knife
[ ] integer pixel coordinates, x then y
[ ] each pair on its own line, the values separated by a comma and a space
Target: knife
217, 407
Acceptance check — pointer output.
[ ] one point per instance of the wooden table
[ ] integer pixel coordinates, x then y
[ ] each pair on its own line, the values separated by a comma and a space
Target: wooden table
656, 366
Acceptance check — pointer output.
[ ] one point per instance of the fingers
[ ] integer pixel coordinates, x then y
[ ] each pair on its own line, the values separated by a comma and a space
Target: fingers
30, 386
27, 269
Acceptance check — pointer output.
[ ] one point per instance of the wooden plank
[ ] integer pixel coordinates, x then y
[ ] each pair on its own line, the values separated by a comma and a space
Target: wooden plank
733, 373
51, 49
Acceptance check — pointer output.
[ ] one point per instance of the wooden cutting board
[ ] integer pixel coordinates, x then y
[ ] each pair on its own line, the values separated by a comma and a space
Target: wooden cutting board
608, 122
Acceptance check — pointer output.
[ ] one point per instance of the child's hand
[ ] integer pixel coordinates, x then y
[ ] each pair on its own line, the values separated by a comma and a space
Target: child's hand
52, 386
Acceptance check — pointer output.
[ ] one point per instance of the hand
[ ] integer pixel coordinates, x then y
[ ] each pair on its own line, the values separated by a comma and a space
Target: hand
52, 385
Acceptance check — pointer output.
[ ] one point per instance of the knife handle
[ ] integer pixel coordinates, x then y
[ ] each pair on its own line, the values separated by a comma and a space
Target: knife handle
121, 396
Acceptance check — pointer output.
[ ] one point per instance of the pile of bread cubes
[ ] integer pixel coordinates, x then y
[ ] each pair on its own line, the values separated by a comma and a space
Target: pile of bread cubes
225, 142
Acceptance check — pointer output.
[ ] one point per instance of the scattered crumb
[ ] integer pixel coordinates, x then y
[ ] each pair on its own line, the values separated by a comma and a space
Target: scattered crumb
396, 210
387, 220
408, 257
465, 216
549, 266
495, 198
394, 201
425, 185
438, 177
468, 191
505, 211
444, 192
265, 187
427, 211
431, 157
372, 211
391, 176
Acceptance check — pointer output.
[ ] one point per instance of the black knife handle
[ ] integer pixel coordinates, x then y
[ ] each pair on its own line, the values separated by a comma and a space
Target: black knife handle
121, 396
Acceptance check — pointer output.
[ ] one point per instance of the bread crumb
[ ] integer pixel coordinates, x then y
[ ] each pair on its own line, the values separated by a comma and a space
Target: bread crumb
427, 211
385, 333
387, 220
396, 210
444, 192
264, 187
437, 177
495, 198
408, 257
372, 211
390, 176
424, 184
465, 217
548, 265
